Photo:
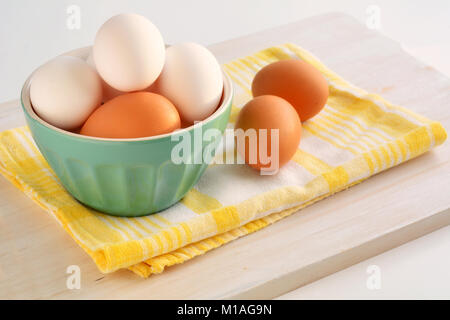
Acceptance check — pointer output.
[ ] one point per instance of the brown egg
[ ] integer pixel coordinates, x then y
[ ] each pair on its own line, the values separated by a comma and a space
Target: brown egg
269, 112
133, 115
296, 81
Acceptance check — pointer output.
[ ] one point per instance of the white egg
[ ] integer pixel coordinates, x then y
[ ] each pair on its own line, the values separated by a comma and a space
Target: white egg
129, 52
108, 91
192, 79
65, 91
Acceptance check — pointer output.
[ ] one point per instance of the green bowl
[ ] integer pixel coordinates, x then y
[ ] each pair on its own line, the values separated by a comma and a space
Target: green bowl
126, 177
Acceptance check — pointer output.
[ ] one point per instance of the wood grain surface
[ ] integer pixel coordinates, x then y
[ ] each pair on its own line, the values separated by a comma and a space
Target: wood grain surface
385, 211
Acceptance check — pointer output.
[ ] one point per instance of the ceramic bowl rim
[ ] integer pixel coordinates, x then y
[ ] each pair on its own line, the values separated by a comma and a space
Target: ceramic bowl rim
82, 53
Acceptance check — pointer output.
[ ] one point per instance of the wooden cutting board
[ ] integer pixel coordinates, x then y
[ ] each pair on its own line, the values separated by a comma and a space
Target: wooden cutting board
385, 211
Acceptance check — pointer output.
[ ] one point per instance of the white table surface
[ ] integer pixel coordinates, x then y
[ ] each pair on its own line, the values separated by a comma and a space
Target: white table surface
418, 269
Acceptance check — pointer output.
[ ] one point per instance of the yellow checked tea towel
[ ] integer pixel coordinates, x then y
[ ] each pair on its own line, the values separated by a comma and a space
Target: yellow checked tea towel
356, 136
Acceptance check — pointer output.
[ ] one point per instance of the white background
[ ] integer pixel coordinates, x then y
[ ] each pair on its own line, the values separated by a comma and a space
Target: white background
31, 32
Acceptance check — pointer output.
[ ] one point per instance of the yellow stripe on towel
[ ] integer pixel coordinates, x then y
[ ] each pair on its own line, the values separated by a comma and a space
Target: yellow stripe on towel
200, 202
311, 163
